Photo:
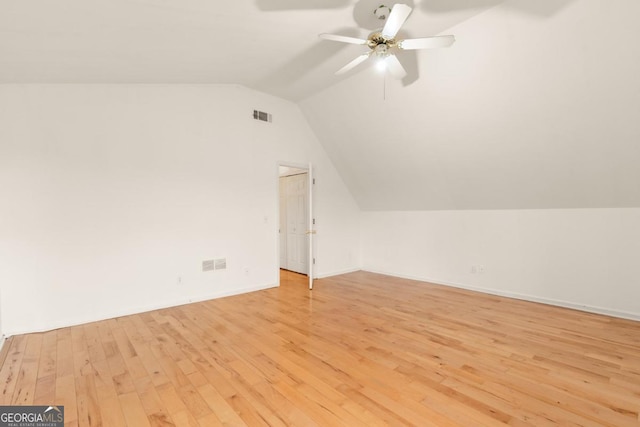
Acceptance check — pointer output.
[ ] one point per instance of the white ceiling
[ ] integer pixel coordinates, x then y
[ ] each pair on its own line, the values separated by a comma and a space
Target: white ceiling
525, 111
536, 105
268, 45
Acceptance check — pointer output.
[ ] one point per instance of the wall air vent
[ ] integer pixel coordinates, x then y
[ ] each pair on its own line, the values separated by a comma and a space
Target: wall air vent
262, 116
220, 264
208, 265
214, 264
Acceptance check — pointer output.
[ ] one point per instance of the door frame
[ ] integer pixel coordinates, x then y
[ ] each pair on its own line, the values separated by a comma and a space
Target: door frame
311, 232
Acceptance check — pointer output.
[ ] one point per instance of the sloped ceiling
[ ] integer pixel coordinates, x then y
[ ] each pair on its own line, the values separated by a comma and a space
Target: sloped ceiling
535, 106
526, 110
268, 45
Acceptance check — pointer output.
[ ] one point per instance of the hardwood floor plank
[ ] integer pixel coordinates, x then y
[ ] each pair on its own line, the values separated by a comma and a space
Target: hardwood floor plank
160, 420
110, 410
64, 353
361, 349
153, 367
94, 344
171, 399
28, 374
45, 392
185, 419
133, 410
194, 402
66, 396
224, 412
48, 355
6, 345
87, 401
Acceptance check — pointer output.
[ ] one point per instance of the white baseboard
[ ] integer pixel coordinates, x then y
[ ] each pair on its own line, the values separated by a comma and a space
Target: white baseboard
142, 309
559, 303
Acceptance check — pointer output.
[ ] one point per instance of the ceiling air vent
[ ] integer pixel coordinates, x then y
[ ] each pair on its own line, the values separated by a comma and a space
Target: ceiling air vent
262, 116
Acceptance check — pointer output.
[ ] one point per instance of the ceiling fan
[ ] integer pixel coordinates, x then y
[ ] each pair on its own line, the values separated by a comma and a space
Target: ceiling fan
382, 43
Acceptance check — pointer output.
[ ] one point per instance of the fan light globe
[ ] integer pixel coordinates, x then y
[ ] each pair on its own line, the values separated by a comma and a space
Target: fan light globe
381, 50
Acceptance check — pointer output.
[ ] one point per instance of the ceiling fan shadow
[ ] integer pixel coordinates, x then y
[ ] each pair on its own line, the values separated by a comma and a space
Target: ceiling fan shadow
267, 5
541, 8
538, 7
307, 61
443, 6
409, 60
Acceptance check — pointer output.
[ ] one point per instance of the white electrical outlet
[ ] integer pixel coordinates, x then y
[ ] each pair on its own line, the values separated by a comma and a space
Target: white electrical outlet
477, 269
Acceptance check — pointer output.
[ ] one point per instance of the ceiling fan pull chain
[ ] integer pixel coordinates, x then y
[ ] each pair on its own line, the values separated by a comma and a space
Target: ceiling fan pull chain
384, 86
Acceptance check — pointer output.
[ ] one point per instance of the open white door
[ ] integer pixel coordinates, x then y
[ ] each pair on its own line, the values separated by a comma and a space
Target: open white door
311, 223
296, 220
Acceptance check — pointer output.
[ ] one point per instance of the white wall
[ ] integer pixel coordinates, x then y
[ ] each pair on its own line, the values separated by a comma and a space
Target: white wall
583, 258
111, 193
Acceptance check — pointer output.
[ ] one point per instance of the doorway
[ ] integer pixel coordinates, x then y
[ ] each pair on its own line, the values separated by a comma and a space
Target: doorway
295, 233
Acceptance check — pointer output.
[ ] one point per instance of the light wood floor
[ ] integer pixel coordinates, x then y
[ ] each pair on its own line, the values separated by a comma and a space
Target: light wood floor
360, 350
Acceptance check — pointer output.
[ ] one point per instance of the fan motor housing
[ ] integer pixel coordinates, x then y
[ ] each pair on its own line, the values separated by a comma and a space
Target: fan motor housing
377, 38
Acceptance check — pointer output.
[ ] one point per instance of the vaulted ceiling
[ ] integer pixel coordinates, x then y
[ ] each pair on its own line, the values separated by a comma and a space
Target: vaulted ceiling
527, 110
535, 106
268, 45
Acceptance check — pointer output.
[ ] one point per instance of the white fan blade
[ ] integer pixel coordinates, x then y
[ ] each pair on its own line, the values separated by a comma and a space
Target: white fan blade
395, 67
399, 14
427, 42
344, 39
353, 63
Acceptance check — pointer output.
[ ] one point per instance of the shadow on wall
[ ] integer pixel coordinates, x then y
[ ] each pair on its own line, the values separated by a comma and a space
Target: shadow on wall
540, 8
362, 9
300, 65
300, 4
